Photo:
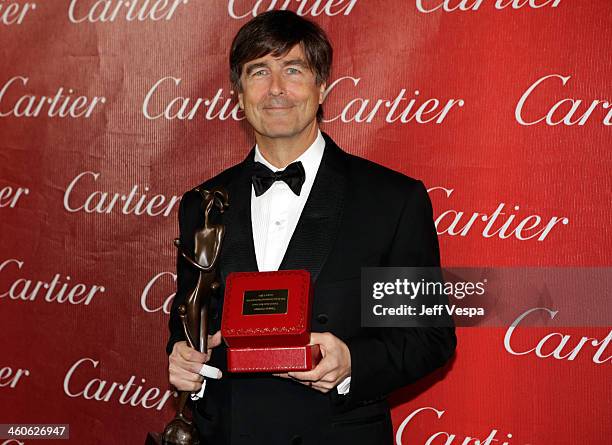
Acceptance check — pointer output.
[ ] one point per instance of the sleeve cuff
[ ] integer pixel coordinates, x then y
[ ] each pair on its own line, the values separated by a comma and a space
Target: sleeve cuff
198, 395
344, 387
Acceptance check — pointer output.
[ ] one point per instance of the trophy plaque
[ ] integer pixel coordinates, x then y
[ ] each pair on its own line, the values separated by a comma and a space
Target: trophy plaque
266, 322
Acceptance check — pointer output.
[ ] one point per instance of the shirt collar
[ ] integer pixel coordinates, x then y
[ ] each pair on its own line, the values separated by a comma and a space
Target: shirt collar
310, 159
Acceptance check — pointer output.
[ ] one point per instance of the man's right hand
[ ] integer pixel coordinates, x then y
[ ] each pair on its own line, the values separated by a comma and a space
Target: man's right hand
184, 364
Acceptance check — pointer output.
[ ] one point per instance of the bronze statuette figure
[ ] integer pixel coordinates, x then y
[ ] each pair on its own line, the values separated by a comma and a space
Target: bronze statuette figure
194, 311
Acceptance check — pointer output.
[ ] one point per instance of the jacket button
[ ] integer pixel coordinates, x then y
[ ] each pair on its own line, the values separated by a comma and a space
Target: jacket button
296, 440
322, 318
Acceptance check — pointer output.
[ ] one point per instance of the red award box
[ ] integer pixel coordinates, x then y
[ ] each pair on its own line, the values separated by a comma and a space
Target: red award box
266, 322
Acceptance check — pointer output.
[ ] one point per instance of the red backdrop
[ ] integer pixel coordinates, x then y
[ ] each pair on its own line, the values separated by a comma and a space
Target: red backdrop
108, 112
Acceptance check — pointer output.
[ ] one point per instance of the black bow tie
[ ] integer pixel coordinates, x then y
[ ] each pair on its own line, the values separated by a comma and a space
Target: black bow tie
263, 178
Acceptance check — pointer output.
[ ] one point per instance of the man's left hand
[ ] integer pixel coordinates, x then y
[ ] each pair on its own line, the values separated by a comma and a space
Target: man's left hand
334, 367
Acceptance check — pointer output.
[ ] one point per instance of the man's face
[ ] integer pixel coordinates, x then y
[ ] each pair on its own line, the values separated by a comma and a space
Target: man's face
279, 95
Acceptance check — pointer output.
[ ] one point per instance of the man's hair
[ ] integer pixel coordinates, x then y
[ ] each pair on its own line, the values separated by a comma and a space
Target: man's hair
276, 32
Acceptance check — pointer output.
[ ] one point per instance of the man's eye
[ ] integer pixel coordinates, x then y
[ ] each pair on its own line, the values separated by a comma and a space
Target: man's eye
258, 73
293, 71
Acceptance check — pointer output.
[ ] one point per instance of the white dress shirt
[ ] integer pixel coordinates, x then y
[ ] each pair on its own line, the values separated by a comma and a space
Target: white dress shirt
275, 214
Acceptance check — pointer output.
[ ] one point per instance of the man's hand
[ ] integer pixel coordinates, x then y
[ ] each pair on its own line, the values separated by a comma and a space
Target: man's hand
333, 368
184, 364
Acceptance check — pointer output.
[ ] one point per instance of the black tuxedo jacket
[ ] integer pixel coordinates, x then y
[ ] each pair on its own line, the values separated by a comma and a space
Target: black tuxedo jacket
358, 214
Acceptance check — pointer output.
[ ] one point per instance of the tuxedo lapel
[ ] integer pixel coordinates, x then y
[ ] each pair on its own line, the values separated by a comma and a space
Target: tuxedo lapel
319, 222
238, 252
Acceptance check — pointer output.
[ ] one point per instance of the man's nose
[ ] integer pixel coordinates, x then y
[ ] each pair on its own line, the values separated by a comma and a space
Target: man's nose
277, 84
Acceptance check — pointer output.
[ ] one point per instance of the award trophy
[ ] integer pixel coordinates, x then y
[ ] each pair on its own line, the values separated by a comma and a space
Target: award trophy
194, 311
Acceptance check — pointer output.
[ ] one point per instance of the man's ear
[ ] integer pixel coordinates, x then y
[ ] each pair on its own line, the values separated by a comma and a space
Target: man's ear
322, 88
240, 101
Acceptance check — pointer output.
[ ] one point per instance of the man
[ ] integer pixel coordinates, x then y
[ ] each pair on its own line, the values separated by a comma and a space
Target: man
330, 213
